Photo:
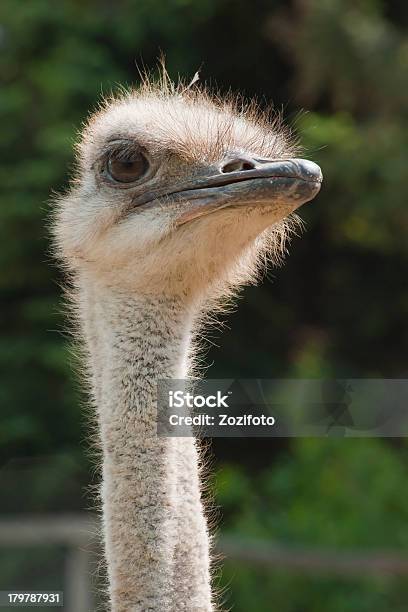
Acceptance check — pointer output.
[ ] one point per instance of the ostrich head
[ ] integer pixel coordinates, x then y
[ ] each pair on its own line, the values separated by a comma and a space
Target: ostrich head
177, 191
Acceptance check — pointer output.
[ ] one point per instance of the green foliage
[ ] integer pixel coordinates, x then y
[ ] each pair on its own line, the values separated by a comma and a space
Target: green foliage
338, 308
318, 494
334, 494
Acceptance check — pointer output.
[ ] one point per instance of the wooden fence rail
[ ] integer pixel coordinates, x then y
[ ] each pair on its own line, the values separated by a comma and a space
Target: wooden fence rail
80, 535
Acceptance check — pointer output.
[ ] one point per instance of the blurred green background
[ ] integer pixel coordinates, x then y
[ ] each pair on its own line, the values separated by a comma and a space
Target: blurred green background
338, 308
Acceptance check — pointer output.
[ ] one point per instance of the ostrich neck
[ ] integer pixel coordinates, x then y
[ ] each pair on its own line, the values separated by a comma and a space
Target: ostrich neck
156, 539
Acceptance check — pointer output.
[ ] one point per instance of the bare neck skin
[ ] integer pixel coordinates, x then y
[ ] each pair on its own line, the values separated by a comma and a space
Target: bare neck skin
155, 532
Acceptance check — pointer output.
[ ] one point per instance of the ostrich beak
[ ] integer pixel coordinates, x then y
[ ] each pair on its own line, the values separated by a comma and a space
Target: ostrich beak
286, 184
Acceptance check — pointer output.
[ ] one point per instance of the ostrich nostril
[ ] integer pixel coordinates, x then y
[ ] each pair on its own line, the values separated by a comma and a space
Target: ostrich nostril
235, 165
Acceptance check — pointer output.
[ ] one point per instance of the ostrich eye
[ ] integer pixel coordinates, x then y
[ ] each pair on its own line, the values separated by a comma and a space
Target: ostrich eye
127, 168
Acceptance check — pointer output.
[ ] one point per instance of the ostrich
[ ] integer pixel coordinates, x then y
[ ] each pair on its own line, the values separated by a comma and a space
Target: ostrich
178, 199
